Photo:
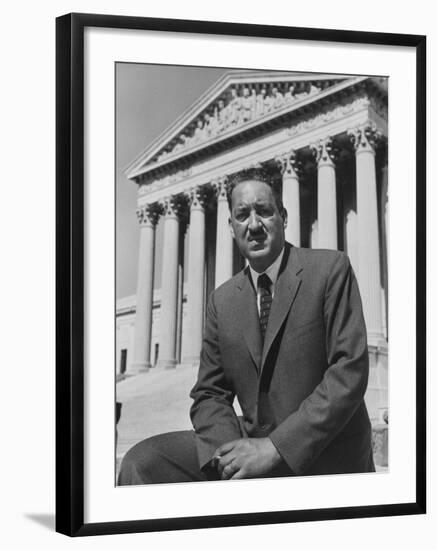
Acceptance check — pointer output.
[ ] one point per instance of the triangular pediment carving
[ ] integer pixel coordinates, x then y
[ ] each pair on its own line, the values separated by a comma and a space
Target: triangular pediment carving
239, 100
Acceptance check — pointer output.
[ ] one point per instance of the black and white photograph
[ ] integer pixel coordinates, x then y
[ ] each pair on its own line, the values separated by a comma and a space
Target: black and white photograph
251, 266
240, 272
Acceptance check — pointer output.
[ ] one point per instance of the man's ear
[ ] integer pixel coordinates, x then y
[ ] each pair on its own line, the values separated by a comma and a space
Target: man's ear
285, 217
231, 229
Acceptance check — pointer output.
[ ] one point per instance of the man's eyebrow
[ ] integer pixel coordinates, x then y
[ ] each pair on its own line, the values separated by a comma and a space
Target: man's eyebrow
258, 203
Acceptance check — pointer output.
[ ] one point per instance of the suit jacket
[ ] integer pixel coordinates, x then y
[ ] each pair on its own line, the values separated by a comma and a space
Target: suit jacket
304, 388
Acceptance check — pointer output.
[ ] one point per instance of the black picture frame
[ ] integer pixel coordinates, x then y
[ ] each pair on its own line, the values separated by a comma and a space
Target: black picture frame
70, 273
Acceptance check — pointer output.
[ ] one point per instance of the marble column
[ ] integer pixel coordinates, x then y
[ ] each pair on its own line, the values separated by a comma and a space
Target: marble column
385, 241
314, 231
169, 284
147, 217
180, 301
369, 270
326, 195
386, 216
351, 231
196, 276
290, 195
223, 260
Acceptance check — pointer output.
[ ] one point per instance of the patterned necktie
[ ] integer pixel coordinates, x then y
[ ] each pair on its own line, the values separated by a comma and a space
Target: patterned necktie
265, 302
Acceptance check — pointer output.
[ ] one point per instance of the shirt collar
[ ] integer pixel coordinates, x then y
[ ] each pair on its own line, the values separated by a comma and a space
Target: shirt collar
272, 271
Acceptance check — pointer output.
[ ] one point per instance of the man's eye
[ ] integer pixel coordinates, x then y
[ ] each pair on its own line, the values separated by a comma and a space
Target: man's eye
241, 216
264, 212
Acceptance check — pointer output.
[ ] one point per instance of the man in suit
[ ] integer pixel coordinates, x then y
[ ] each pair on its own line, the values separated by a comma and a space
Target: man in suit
287, 337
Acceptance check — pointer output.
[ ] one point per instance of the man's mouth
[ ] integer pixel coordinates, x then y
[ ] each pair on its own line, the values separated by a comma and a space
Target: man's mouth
257, 236
258, 239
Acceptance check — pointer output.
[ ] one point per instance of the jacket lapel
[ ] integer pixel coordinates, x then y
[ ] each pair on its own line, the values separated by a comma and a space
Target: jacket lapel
287, 286
248, 317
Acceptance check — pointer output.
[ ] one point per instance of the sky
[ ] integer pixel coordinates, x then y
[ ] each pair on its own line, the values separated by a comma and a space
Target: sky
148, 100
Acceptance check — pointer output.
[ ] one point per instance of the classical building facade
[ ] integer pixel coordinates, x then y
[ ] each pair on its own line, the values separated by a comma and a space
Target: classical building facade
323, 138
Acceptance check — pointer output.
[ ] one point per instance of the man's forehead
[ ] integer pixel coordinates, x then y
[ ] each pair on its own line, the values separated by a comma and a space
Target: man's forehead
252, 188
244, 202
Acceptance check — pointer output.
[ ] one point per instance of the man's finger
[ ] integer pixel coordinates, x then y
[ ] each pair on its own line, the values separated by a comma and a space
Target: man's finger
229, 470
225, 462
226, 447
226, 459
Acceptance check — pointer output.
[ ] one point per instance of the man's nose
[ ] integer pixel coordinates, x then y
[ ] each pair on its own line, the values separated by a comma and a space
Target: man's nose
254, 222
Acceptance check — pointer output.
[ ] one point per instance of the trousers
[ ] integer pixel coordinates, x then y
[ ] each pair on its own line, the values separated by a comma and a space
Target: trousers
165, 458
172, 458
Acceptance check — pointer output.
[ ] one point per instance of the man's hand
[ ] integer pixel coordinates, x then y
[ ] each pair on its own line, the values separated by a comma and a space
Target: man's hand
245, 458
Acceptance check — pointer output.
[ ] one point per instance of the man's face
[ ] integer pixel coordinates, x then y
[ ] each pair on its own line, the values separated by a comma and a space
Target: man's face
256, 223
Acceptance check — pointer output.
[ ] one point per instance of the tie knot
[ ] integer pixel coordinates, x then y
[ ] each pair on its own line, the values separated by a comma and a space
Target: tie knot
264, 281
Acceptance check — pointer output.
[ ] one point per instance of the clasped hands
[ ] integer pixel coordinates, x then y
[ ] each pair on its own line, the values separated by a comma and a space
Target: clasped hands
246, 458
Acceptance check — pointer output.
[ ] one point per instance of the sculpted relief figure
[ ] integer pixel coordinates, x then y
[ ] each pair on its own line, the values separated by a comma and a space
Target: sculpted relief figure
177, 147
253, 102
289, 94
188, 140
260, 102
227, 115
277, 98
301, 92
268, 103
246, 106
198, 132
212, 124
314, 89
162, 156
207, 126
220, 115
182, 143
234, 107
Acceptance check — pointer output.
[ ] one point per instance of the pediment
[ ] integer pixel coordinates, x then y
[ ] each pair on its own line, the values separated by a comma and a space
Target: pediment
237, 101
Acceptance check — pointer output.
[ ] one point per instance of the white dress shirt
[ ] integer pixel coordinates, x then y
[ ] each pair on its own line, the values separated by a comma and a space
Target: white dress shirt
272, 272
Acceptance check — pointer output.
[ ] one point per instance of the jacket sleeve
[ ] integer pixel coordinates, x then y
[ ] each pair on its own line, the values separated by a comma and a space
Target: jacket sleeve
212, 414
302, 436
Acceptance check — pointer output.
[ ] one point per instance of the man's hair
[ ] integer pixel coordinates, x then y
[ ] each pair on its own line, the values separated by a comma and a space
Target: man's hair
257, 174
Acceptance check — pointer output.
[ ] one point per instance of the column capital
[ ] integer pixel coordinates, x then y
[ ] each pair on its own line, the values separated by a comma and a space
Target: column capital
220, 186
289, 164
365, 137
148, 215
197, 197
172, 206
324, 152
